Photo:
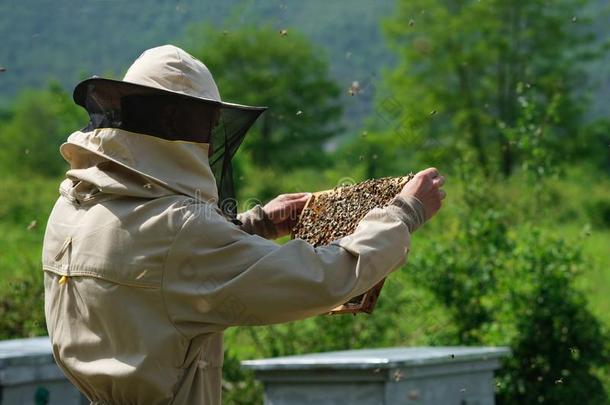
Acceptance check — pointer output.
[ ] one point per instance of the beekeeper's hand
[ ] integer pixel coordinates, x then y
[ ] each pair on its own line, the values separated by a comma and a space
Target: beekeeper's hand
426, 187
284, 211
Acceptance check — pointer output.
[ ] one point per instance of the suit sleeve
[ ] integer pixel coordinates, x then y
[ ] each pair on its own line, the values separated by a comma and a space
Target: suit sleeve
256, 222
218, 276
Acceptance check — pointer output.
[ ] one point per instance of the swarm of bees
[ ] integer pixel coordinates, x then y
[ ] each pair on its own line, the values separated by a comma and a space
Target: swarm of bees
332, 214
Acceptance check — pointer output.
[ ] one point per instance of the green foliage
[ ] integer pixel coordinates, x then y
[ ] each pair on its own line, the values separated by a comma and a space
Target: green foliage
37, 124
239, 386
557, 343
22, 306
517, 288
464, 63
25, 204
599, 211
381, 154
594, 144
258, 66
26, 200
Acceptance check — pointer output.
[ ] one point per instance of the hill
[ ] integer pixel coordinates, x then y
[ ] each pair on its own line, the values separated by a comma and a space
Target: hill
67, 40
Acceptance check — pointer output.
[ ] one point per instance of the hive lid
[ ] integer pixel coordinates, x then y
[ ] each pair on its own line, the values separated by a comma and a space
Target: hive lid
22, 352
379, 358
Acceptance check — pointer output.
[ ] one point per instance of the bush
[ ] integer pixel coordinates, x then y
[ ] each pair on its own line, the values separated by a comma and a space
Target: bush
556, 341
515, 286
238, 385
599, 212
38, 123
22, 307
25, 204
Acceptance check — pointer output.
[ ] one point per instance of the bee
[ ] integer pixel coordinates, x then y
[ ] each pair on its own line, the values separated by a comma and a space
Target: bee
354, 89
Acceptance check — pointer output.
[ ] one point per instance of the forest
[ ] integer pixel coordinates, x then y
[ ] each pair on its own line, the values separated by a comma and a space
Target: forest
507, 98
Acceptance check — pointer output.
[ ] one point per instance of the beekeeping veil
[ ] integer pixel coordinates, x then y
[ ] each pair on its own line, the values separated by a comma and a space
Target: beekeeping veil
164, 76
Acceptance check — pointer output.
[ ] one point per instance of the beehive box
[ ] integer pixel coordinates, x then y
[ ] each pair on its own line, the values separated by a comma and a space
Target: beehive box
332, 214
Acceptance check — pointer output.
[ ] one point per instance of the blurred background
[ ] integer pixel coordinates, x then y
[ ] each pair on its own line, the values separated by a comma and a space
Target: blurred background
508, 98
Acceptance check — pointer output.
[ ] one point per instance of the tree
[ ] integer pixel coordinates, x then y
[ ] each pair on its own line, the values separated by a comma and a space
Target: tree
282, 70
34, 129
464, 62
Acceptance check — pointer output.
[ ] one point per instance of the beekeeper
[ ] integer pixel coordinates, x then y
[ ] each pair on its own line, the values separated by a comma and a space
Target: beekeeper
146, 262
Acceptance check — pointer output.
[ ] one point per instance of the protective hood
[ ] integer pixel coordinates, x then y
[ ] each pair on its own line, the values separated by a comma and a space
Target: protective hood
117, 162
168, 75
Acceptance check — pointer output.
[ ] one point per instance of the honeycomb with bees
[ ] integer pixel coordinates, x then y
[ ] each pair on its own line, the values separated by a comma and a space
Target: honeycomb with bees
332, 214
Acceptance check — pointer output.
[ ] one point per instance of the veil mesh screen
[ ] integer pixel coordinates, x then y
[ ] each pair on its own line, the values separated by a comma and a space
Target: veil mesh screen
113, 104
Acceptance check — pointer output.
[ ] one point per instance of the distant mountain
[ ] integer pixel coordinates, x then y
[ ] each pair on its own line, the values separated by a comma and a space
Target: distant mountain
66, 40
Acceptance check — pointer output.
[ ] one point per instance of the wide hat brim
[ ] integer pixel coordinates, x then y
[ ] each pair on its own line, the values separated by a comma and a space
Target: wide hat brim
110, 92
